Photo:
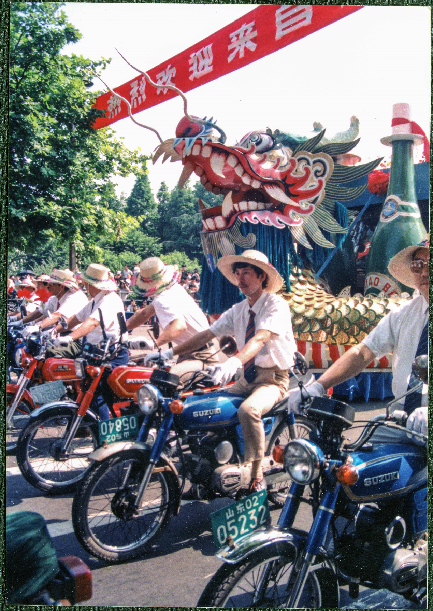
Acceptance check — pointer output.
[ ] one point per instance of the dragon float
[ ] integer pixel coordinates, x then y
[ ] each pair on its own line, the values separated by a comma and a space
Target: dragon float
281, 191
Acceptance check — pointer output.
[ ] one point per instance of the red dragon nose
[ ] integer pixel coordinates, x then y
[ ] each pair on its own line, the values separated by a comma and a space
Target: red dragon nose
187, 129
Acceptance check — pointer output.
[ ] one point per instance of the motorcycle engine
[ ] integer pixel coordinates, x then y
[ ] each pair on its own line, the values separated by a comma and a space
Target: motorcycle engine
370, 547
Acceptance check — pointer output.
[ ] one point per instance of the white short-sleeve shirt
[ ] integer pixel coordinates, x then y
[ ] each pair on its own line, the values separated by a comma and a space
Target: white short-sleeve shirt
49, 306
110, 304
175, 303
71, 303
272, 314
399, 332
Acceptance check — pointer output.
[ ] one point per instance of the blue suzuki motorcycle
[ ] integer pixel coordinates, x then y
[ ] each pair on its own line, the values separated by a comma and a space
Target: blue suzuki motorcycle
134, 488
369, 519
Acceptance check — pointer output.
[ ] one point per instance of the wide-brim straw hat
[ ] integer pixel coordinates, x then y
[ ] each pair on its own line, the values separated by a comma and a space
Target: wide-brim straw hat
251, 257
26, 283
402, 126
399, 266
64, 277
98, 276
156, 276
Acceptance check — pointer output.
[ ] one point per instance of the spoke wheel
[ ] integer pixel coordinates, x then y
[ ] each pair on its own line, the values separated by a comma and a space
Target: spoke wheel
38, 455
261, 581
20, 420
282, 436
105, 519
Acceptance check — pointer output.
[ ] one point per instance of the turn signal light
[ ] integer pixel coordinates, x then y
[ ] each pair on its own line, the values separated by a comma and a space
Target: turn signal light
176, 406
347, 475
278, 453
93, 372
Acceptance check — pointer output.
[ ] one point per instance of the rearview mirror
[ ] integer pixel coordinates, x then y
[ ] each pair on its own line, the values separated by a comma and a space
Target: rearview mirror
300, 363
228, 345
420, 367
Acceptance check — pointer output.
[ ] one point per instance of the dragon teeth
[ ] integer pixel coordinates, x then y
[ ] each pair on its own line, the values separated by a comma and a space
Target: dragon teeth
206, 151
232, 161
217, 164
246, 179
188, 169
277, 193
227, 205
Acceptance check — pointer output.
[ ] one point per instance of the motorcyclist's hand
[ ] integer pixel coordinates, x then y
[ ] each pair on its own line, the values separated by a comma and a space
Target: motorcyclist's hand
418, 422
13, 318
165, 355
315, 389
31, 329
223, 373
63, 342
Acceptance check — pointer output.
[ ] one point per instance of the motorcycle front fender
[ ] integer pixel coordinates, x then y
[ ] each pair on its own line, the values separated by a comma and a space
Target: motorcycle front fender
52, 406
289, 542
12, 389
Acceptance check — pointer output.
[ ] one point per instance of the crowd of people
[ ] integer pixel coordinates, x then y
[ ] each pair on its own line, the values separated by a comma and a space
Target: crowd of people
261, 325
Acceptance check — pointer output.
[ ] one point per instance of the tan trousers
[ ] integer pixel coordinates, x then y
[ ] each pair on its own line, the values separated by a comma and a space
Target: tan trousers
200, 359
269, 386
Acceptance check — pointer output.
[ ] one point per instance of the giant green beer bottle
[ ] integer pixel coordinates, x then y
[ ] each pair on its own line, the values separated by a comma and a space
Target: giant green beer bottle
400, 223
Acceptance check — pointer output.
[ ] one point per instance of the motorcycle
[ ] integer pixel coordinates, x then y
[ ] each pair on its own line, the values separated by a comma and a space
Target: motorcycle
41, 379
369, 510
34, 574
133, 489
52, 450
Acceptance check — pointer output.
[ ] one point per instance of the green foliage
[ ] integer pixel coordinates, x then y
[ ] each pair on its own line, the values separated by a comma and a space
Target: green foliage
179, 259
41, 262
141, 202
60, 168
207, 197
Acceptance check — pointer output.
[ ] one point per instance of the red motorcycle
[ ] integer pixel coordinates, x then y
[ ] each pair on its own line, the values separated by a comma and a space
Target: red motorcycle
41, 380
53, 447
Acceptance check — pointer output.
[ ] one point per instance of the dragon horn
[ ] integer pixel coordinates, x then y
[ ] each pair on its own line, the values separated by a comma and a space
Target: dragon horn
129, 109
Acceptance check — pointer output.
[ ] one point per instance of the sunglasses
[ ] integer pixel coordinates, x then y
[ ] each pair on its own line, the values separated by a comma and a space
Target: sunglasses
418, 265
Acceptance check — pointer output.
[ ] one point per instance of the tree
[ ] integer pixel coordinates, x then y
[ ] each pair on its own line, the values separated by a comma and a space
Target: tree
141, 202
59, 167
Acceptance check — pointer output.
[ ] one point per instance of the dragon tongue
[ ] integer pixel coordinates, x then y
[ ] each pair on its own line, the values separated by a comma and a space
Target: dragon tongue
277, 193
227, 205
188, 169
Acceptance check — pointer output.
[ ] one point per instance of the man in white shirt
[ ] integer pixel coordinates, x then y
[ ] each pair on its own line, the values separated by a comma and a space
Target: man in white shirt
262, 328
179, 316
399, 332
97, 320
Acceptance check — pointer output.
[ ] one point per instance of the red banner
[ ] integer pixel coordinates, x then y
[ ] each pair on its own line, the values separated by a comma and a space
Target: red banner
262, 31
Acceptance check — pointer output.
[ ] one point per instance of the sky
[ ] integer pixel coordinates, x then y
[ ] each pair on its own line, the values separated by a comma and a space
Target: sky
360, 65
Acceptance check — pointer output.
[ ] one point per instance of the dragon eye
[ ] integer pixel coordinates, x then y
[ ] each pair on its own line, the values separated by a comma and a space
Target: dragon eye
263, 142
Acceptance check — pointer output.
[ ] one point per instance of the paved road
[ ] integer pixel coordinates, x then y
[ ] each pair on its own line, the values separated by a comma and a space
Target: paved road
176, 571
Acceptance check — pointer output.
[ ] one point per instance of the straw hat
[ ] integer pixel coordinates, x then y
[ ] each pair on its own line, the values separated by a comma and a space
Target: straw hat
98, 276
26, 283
64, 277
252, 257
403, 128
399, 266
155, 276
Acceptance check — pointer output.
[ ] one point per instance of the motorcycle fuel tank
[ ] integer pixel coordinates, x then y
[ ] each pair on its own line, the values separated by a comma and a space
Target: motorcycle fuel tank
125, 380
216, 409
59, 369
387, 472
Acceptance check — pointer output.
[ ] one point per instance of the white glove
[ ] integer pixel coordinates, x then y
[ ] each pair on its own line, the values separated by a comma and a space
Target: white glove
16, 323
418, 422
222, 374
13, 318
315, 389
63, 342
30, 329
165, 355
138, 343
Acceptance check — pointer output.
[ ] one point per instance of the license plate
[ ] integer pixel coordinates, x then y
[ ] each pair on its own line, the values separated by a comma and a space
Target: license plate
118, 429
50, 391
238, 519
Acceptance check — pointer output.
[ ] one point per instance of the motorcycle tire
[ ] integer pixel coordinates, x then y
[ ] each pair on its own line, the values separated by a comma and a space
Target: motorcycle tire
36, 451
104, 521
282, 436
20, 420
238, 585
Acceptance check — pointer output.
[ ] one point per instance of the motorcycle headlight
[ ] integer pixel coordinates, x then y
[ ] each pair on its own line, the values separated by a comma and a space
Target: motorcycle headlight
80, 367
147, 398
18, 357
302, 460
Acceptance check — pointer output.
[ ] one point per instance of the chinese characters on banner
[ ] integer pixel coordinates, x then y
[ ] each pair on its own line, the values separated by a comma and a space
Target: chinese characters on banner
262, 31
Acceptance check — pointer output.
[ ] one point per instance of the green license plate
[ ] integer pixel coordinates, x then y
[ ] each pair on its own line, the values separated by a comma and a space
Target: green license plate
240, 518
118, 429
